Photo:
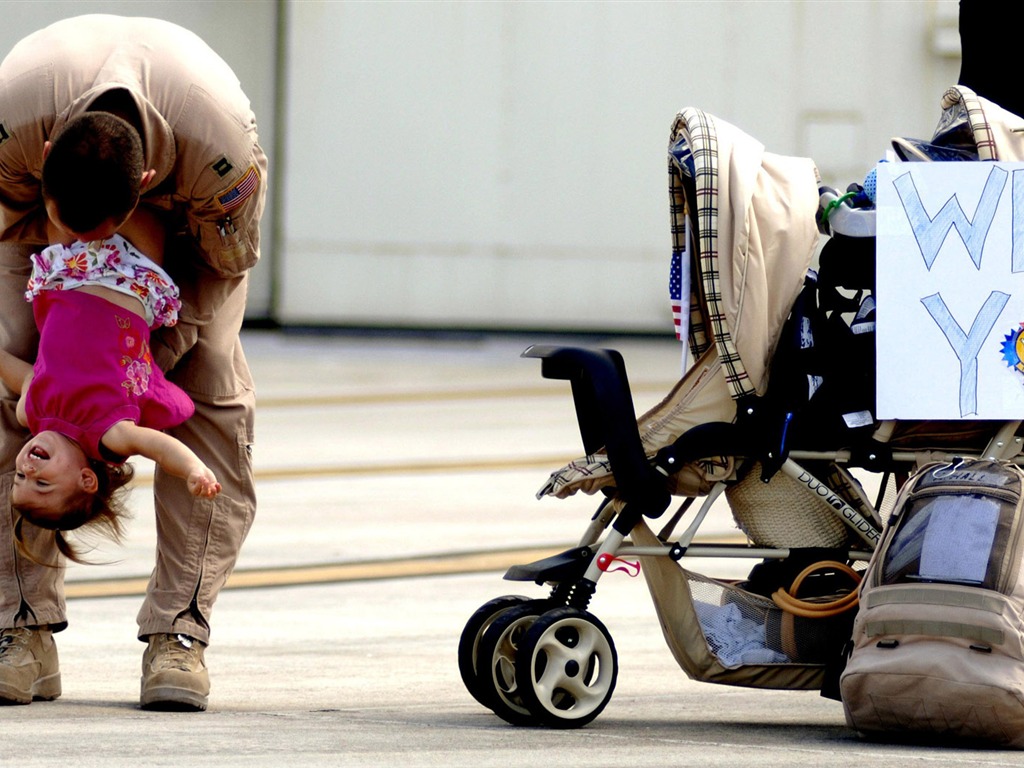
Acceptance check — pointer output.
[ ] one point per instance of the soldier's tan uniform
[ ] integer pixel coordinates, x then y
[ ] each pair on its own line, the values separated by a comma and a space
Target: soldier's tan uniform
199, 135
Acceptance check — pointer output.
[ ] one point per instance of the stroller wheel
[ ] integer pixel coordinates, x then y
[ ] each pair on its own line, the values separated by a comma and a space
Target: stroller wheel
566, 668
496, 662
469, 642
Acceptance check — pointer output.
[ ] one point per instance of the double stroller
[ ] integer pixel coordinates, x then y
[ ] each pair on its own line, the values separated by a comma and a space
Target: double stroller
773, 414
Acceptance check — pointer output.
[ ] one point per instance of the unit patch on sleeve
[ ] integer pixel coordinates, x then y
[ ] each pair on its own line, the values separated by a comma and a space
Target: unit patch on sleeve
230, 199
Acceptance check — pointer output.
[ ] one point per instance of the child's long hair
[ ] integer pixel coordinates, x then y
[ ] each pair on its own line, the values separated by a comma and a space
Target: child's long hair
101, 512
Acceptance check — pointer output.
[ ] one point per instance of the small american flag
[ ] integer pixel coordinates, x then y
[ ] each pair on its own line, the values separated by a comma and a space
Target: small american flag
239, 193
679, 287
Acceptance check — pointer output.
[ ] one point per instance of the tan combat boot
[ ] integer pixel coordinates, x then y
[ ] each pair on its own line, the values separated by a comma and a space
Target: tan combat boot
174, 675
28, 666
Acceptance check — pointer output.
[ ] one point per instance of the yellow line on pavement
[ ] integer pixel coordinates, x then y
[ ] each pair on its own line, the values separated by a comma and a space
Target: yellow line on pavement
420, 396
415, 467
447, 564
434, 565
453, 466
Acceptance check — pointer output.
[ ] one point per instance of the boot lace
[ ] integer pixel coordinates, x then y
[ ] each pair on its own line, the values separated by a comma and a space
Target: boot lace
13, 641
178, 652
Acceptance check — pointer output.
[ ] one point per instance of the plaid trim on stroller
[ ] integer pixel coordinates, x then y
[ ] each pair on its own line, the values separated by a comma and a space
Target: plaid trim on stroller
693, 154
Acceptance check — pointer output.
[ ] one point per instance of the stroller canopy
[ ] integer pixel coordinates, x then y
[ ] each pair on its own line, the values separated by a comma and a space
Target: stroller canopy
751, 221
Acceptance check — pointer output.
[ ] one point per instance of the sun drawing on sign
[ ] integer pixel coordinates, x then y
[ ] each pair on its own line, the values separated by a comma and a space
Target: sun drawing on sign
1013, 349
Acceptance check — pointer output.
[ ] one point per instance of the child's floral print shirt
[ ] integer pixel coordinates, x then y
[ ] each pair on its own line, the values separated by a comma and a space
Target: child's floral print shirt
112, 263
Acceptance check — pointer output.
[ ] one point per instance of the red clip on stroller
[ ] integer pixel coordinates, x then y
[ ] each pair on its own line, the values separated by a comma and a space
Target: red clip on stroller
776, 408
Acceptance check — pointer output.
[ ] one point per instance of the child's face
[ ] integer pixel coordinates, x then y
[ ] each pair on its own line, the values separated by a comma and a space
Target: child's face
50, 470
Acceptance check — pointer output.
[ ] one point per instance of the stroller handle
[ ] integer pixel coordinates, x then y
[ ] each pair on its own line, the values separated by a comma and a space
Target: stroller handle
607, 419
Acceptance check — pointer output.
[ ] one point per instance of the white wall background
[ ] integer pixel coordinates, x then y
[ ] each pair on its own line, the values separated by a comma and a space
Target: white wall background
502, 164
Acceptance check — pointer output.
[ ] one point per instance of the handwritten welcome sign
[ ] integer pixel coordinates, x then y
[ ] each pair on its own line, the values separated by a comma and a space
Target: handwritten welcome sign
950, 290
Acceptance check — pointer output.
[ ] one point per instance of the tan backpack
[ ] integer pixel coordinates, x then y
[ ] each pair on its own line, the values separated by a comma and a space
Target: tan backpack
938, 642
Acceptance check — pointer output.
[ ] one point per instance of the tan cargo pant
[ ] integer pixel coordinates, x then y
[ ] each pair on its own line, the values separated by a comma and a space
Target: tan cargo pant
198, 540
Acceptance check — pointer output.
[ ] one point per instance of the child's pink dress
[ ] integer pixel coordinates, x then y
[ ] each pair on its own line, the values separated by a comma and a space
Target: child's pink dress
94, 368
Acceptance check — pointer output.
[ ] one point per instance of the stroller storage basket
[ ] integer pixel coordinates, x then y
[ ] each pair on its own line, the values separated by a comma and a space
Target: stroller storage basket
721, 633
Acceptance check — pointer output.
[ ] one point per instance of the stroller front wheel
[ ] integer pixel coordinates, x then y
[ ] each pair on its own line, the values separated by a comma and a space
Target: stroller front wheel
496, 680
566, 668
469, 642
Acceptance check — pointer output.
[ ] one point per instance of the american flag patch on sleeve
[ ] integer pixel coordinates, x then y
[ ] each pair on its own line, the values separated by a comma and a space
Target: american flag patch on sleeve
238, 194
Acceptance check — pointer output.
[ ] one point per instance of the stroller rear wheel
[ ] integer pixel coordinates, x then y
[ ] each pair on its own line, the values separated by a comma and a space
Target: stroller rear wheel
469, 642
496, 680
566, 668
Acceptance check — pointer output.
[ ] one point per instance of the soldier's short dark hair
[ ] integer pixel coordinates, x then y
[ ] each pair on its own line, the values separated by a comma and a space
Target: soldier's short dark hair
93, 171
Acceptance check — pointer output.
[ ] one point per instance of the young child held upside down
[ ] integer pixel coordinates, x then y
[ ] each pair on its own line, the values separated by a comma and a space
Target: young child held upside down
94, 396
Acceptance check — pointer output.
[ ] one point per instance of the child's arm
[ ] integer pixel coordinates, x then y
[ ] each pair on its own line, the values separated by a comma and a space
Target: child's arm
15, 373
174, 457
145, 231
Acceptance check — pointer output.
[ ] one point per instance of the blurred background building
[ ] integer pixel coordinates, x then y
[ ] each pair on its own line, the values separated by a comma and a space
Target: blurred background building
502, 165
